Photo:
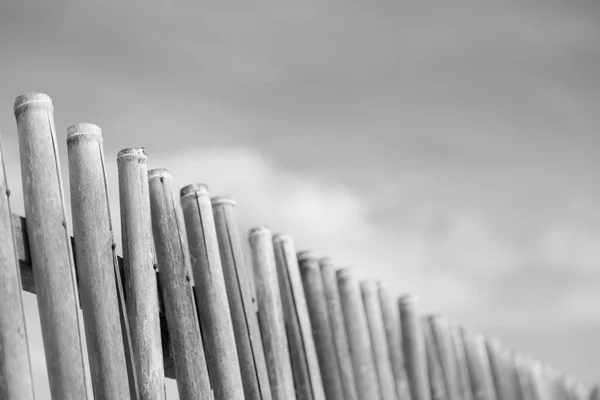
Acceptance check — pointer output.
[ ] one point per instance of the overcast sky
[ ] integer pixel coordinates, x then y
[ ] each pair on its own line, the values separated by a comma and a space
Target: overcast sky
449, 148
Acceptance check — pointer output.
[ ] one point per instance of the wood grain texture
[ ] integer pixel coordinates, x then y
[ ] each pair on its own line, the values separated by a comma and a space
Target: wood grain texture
413, 344
320, 321
92, 230
359, 339
338, 328
15, 367
211, 295
50, 248
242, 302
383, 365
270, 313
139, 272
303, 354
173, 262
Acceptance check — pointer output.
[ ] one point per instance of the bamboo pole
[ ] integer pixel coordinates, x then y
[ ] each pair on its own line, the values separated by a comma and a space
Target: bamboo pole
241, 302
303, 354
16, 382
462, 367
140, 272
434, 364
440, 328
211, 295
338, 329
321, 325
359, 340
52, 261
94, 253
383, 365
270, 313
391, 320
191, 372
413, 344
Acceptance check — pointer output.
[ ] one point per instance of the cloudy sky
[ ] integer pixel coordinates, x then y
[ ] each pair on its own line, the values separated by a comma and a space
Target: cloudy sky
447, 148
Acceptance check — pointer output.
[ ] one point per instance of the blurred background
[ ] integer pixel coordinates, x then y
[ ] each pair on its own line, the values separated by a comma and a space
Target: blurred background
446, 148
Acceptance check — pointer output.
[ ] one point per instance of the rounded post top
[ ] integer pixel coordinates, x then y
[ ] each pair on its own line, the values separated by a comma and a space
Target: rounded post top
222, 201
159, 173
306, 255
369, 285
344, 273
194, 188
83, 128
408, 300
259, 230
33, 97
282, 238
132, 151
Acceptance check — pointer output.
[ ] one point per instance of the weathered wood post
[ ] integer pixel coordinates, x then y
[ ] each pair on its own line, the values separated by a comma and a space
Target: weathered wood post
479, 368
413, 344
270, 313
51, 256
321, 325
503, 370
383, 365
241, 302
434, 364
462, 367
15, 367
303, 354
391, 321
94, 254
524, 375
338, 328
443, 343
211, 295
193, 381
140, 272
359, 339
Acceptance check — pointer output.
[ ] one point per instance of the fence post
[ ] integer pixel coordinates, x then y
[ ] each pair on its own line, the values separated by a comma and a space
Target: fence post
270, 313
359, 339
94, 254
193, 381
303, 354
241, 302
321, 325
503, 371
443, 344
391, 320
140, 273
15, 367
211, 295
383, 365
462, 367
413, 344
339, 329
434, 365
51, 256
479, 367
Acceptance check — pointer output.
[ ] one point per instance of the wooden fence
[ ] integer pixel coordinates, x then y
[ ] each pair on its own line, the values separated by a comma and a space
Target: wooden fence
181, 303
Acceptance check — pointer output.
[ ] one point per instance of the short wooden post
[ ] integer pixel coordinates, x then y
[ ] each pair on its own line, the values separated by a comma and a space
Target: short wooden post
241, 302
15, 368
440, 328
184, 331
434, 364
321, 325
482, 351
211, 295
339, 329
303, 354
140, 272
413, 344
393, 333
52, 260
359, 339
525, 379
94, 253
478, 369
270, 313
383, 365
462, 367
503, 371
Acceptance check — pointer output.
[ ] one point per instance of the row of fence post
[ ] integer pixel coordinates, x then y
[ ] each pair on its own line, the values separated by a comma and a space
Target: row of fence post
305, 330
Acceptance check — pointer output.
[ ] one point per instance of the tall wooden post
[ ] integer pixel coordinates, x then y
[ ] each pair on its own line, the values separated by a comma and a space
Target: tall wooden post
51, 257
15, 367
193, 381
140, 272
211, 295
241, 302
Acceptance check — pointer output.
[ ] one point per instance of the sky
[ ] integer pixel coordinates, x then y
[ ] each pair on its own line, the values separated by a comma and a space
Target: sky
448, 149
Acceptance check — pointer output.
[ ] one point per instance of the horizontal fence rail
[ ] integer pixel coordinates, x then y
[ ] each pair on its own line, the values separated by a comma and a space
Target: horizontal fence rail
181, 302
